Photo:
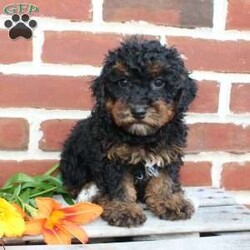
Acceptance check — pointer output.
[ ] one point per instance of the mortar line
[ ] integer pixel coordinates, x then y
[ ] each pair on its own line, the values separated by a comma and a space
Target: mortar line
219, 15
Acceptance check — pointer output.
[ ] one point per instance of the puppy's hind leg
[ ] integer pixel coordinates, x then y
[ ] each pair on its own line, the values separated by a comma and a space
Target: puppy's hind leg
74, 170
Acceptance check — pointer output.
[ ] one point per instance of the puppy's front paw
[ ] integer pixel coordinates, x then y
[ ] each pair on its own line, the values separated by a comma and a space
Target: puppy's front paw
182, 211
123, 214
172, 209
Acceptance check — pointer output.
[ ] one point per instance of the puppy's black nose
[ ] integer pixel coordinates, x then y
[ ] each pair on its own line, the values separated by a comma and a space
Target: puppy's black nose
139, 111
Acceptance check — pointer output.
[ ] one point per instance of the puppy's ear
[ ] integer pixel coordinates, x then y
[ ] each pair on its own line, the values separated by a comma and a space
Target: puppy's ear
187, 86
186, 93
97, 88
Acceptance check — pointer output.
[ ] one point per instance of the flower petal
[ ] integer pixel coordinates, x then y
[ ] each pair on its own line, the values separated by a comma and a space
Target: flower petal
46, 206
76, 231
55, 218
1, 229
82, 213
34, 227
12, 222
13, 225
56, 236
19, 209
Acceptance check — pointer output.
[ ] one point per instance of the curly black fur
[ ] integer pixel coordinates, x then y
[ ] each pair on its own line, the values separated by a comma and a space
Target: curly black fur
139, 72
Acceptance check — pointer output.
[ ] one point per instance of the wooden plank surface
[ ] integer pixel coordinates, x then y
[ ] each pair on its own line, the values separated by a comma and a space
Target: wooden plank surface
205, 243
209, 196
220, 218
205, 219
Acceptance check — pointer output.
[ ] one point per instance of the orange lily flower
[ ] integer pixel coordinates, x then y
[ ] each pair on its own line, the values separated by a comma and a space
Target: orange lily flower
58, 224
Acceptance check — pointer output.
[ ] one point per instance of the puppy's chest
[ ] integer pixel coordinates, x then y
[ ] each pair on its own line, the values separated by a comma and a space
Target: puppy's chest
133, 155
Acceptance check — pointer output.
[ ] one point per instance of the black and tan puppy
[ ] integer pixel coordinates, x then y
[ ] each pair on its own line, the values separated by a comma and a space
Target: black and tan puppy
131, 146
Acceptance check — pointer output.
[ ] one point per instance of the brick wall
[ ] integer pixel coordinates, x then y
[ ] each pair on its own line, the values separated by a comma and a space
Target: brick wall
44, 82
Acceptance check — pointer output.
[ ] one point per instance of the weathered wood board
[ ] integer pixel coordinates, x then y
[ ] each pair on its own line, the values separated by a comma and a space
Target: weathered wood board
217, 213
205, 243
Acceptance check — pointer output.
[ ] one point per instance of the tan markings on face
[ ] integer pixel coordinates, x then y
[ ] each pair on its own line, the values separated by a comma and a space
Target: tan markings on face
119, 66
154, 69
159, 114
123, 118
159, 155
140, 129
120, 112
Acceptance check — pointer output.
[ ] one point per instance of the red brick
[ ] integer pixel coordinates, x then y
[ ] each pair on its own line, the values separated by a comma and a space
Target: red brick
235, 176
214, 55
30, 167
55, 133
45, 92
207, 98
13, 51
71, 47
196, 174
75, 10
174, 13
14, 134
218, 137
238, 16
240, 98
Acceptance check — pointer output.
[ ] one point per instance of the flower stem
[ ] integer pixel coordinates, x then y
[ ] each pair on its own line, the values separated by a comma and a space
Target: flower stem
31, 210
52, 170
43, 192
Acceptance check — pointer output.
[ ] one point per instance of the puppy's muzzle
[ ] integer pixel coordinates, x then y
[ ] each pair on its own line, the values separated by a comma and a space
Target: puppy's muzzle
138, 111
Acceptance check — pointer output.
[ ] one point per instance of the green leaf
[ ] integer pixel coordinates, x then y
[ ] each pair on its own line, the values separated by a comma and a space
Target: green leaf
9, 190
6, 196
36, 185
18, 178
25, 196
30, 209
23, 189
43, 192
17, 190
68, 199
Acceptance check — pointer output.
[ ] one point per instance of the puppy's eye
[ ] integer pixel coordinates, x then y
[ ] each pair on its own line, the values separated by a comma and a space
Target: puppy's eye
123, 83
157, 83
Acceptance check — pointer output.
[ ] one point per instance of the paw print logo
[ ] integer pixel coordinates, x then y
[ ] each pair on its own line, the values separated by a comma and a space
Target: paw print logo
20, 26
